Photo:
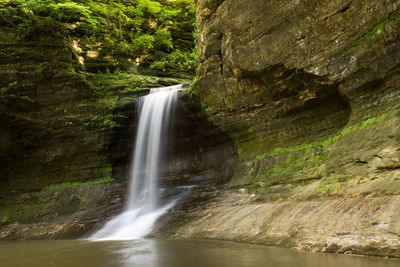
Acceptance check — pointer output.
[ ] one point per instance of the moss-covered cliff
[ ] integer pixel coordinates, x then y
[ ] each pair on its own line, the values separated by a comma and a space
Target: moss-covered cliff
309, 92
59, 125
68, 94
68, 108
299, 86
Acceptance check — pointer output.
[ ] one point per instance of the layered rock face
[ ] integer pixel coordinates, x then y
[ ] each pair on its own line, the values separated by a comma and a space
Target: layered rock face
66, 139
58, 122
309, 92
295, 71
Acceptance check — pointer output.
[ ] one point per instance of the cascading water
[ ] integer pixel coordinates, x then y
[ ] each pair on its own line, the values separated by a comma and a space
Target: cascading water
143, 206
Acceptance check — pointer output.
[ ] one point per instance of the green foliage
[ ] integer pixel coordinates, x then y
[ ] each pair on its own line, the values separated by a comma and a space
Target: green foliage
163, 40
5, 220
141, 31
177, 61
78, 184
70, 12
11, 85
107, 121
105, 84
26, 98
152, 7
143, 42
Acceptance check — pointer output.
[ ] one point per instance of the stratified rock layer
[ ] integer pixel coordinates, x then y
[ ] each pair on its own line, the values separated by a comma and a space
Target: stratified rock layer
66, 140
309, 92
288, 71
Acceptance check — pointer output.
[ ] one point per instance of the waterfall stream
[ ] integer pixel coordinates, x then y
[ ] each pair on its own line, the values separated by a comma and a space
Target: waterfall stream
143, 206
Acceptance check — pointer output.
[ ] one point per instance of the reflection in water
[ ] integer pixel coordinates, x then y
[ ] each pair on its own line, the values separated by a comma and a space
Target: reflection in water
169, 253
137, 253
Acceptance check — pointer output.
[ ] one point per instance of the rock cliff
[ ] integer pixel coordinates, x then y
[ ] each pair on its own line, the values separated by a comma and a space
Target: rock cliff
309, 92
66, 137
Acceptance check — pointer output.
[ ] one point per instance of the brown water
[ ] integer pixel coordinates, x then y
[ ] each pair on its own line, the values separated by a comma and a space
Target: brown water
170, 253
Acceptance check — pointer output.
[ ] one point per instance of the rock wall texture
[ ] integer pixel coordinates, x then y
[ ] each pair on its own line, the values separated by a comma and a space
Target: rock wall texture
309, 92
58, 122
66, 138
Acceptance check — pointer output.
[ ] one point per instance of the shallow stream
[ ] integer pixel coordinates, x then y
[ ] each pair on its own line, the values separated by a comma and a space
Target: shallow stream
170, 253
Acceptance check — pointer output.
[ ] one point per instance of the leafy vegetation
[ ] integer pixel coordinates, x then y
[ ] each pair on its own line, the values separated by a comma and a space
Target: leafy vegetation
156, 36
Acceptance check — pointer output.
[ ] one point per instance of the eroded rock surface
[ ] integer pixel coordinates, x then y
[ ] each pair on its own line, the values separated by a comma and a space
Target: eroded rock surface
309, 92
66, 140
290, 71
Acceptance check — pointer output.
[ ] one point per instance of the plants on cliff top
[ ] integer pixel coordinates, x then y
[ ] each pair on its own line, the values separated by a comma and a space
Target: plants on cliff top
176, 61
143, 31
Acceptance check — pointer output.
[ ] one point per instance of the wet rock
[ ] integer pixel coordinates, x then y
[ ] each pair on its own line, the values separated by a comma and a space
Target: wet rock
115, 201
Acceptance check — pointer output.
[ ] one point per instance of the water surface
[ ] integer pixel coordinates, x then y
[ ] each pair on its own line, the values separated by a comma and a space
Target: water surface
170, 253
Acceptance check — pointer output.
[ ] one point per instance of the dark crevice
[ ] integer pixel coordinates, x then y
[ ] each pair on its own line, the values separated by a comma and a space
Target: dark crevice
343, 10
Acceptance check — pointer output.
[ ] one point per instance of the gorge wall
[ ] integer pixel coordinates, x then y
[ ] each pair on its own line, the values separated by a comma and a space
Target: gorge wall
309, 92
66, 137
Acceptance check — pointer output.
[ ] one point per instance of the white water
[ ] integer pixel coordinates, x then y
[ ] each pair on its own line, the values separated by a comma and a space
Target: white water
143, 207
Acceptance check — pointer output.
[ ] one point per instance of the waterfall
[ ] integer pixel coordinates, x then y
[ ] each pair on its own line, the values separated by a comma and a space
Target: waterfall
143, 207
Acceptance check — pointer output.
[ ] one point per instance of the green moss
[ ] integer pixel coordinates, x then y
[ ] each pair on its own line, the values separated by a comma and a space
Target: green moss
330, 184
5, 220
304, 159
374, 29
71, 206
296, 161
78, 184
326, 142
282, 150
108, 85
10, 86
39, 200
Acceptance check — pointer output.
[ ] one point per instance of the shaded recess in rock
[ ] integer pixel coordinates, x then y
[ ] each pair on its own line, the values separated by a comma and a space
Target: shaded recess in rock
198, 153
